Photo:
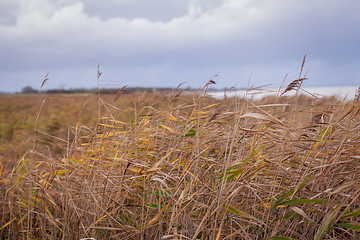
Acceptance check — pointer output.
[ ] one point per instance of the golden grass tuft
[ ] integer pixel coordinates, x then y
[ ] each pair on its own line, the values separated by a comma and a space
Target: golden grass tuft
195, 168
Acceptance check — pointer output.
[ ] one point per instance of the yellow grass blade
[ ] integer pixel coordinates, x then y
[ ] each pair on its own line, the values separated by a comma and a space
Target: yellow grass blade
135, 170
49, 213
220, 228
212, 105
171, 117
6, 224
167, 128
23, 218
157, 216
100, 218
201, 112
157, 164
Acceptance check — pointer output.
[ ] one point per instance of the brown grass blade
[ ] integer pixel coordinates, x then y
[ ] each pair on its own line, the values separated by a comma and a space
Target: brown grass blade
98, 71
44, 81
121, 91
294, 85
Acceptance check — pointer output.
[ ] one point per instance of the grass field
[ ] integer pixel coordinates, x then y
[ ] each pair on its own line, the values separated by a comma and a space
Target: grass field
150, 166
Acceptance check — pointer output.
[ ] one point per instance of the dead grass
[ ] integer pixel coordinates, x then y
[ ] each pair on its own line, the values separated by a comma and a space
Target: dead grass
191, 167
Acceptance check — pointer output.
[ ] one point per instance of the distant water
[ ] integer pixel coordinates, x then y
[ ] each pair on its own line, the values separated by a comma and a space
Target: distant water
340, 92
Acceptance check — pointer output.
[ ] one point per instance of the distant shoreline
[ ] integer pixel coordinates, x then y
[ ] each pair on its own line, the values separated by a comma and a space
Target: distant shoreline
340, 92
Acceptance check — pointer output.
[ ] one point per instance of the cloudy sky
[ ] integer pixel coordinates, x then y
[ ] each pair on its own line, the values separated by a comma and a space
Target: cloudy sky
162, 43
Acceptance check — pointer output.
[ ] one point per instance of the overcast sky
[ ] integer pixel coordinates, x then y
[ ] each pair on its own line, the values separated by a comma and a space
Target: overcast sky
163, 43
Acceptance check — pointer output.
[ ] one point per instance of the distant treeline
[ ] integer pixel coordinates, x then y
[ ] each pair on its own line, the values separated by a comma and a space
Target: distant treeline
30, 90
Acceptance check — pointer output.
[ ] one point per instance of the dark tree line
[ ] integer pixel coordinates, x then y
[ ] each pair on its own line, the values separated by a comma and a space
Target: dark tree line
30, 90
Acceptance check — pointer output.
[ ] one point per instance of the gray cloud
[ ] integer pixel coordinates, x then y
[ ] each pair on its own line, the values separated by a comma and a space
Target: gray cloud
8, 12
155, 10
167, 42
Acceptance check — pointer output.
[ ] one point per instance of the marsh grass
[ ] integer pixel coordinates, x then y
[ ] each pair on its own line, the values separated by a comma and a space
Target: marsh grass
192, 167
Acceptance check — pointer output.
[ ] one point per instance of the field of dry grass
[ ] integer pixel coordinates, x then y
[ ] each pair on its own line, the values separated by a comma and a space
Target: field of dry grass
179, 167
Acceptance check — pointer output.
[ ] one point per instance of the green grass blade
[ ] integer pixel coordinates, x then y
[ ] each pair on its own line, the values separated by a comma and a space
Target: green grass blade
350, 225
191, 133
353, 214
302, 201
327, 222
234, 174
233, 210
289, 193
281, 199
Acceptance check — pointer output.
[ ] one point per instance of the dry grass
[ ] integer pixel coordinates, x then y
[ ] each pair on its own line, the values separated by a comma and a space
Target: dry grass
191, 167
